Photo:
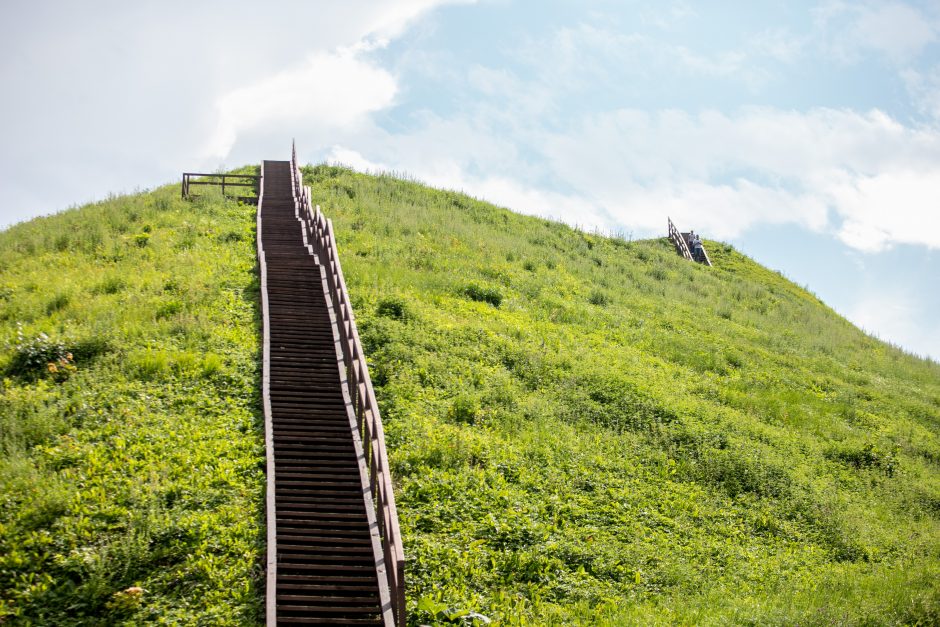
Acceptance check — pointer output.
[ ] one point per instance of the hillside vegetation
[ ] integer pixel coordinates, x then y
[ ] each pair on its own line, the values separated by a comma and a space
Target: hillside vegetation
582, 429
591, 429
131, 453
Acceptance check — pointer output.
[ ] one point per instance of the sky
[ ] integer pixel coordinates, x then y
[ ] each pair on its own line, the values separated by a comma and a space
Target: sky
807, 134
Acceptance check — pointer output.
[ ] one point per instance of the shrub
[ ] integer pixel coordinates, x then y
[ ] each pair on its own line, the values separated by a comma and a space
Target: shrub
867, 457
58, 302
210, 365
483, 294
40, 356
392, 307
464, 409
169, 309
738, 471
89, 348
598, 298
111, 285
734, 359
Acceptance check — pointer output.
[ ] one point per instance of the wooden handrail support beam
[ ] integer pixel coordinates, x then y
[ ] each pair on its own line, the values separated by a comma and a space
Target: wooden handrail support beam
361, 394
708, 260
679, 241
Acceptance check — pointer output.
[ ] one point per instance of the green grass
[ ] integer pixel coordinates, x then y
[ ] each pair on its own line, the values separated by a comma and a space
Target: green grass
582, 430
590, 430
138, 462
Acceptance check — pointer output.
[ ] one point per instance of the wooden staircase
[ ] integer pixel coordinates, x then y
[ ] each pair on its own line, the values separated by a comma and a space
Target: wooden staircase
682, 244
327, 553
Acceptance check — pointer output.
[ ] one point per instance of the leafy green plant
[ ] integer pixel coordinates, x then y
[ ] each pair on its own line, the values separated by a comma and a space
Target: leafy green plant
38, 356
169, 309
441, 612
483, 294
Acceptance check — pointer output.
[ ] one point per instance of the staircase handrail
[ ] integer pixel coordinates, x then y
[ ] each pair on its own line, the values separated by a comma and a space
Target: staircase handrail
679, 241
361, 392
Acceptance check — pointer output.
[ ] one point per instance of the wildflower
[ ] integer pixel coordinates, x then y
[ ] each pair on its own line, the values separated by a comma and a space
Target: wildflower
52, 367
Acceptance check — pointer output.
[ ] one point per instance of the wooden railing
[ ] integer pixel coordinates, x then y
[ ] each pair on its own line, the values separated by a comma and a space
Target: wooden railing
359, 386
230, 181
682, 245
705, 258
679, 241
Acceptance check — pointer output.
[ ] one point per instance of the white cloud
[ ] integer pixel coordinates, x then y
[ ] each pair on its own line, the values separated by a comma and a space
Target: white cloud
728, 173
130, 94
330, 93
352, 159
889, 208
924, 88
668, 17
436, 166
388, 20
722, 64
723, 211
894, 29
862, 177
331, 90
506, 192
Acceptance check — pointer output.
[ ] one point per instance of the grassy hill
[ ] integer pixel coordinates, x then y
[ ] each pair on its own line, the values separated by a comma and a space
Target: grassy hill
582, 429
140, 460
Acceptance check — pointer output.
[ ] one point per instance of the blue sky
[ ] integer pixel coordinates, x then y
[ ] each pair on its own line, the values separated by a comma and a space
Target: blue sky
805, 133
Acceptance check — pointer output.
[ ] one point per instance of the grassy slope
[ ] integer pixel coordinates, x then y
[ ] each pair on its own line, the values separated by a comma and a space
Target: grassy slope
625, 437
630, 437
145, 466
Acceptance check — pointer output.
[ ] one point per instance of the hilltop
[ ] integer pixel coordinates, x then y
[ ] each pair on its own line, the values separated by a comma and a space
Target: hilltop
582, 429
